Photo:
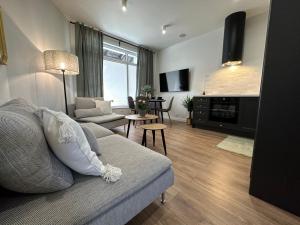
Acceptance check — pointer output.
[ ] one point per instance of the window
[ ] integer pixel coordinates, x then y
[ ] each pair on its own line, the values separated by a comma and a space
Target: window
119, 74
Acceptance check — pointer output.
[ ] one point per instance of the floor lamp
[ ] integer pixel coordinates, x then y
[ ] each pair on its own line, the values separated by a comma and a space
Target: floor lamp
61, 62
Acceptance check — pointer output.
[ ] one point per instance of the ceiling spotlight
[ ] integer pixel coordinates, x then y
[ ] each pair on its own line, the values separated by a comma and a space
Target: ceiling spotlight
124, 5
164, 29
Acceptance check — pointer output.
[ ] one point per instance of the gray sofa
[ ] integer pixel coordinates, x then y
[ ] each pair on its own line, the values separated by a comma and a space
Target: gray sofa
90, 200
116, 119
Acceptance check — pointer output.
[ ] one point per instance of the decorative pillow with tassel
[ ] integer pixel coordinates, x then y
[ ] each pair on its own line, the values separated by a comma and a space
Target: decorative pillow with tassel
69, 143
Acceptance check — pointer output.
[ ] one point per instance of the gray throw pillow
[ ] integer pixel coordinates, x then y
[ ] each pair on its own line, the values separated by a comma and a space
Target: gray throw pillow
97, 130
19, 105
83, 113
26, 163
90, 136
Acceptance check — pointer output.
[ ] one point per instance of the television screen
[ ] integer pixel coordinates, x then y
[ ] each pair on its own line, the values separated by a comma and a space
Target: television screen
174, 81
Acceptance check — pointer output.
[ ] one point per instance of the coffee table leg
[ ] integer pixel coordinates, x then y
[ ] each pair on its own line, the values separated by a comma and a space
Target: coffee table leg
153, 135
164, 141
128, 127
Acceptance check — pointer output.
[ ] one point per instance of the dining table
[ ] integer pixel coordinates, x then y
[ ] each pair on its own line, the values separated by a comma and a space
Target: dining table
158, 102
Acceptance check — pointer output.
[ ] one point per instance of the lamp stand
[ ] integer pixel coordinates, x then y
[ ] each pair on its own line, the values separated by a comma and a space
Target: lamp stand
66, 104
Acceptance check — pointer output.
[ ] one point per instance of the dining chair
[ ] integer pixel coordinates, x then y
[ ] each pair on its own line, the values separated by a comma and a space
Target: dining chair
167, 110
131, 104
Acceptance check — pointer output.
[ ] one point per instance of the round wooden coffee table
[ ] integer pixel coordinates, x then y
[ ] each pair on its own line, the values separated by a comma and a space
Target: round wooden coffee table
154, 127
137, 117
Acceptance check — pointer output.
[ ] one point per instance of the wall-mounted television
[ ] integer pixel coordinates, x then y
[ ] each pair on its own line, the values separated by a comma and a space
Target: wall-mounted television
174, 81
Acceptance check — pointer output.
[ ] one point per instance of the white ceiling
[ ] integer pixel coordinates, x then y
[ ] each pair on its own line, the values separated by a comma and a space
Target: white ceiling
142, 21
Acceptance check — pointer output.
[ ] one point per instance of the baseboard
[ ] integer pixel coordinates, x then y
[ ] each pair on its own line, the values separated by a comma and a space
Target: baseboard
178, 119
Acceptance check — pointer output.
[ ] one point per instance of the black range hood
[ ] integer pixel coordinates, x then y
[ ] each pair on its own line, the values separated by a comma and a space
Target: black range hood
233, 43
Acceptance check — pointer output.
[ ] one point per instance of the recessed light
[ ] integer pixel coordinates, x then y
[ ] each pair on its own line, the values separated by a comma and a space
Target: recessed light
124, 5
164, 29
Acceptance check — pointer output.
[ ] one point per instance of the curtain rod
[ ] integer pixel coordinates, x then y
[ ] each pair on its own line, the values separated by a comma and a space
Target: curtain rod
113, 37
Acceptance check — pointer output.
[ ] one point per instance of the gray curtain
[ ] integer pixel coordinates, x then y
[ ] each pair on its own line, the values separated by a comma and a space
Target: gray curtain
89, 49
144, 69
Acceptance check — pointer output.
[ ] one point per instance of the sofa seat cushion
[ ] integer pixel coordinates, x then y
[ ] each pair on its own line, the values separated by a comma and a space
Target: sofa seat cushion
102, 119
90, 197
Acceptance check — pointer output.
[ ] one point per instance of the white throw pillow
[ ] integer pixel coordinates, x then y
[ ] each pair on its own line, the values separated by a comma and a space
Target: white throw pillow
104, 106
68, 141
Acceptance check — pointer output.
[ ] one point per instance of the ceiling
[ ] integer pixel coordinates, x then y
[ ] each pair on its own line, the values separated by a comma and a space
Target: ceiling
142, 21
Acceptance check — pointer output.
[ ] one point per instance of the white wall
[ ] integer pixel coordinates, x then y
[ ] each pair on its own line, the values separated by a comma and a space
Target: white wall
203, 56
31, 27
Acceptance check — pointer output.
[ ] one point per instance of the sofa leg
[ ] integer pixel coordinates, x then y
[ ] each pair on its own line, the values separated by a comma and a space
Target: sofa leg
163, 201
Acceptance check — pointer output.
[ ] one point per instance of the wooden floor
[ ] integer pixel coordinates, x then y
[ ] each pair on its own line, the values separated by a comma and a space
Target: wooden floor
211, 185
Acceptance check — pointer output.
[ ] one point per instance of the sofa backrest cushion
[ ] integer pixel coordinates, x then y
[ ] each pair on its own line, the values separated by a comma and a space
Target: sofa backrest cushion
83, 113
26, 163
86, 103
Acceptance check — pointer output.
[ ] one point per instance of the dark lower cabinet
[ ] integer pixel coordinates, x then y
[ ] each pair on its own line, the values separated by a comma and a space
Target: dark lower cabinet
233, 115
248, 113
275, 173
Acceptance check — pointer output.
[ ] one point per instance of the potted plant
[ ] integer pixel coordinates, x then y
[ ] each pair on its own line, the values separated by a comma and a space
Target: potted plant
147, 89
142, 105
188, 104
